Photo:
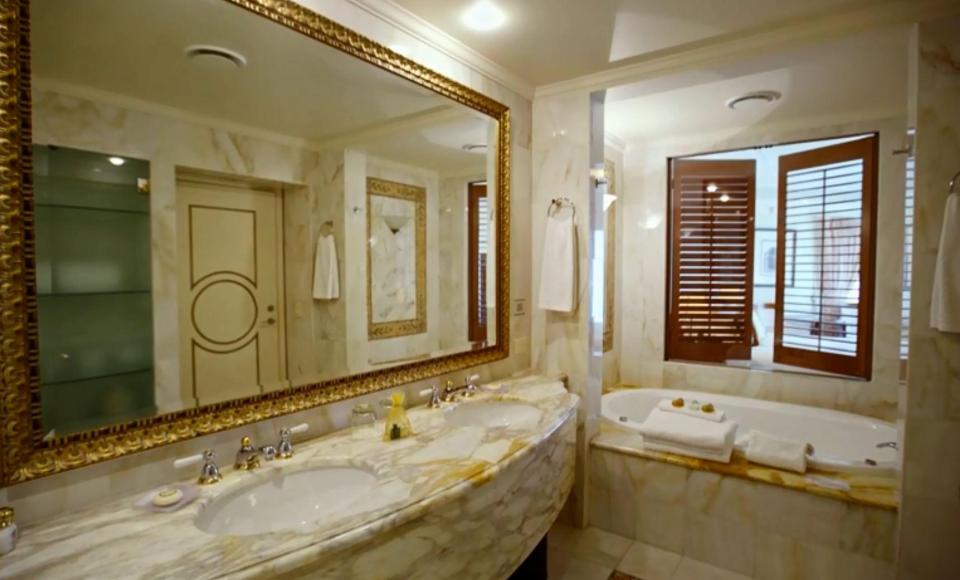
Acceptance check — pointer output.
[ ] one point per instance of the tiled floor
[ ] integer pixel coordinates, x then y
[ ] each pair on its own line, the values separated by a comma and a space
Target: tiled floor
594, 554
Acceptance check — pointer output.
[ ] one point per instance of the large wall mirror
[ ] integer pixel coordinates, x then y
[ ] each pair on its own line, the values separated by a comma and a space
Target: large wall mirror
227, 210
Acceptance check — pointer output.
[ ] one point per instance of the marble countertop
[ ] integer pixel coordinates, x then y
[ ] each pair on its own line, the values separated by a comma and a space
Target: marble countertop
414, 475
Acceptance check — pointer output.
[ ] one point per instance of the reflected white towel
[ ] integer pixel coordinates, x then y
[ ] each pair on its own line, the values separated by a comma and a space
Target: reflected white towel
558, 270
774, 451
688, 435
945, 304
326, 277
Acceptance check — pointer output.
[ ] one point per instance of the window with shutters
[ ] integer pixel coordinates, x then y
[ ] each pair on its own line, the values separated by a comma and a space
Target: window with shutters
771, 256
478, 215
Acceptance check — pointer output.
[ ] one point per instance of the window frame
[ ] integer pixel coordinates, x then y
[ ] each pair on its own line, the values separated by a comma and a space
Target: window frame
868, 281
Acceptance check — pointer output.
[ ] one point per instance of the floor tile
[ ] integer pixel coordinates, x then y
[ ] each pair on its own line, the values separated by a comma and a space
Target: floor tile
599, 546
649, 562
575, 569
690, 569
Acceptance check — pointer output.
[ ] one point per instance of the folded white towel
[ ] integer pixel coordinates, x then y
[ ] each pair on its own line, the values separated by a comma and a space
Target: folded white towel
666, 447
717, 415
945, 304
774, 451
558, 268
326, 276
689, 435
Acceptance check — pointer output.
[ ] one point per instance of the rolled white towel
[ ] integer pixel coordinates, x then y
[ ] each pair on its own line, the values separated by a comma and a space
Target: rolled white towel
716, 416
715, 438
666, 447
767, 449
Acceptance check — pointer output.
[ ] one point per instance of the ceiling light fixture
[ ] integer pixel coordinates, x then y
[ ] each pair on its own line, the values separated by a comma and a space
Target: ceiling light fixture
712, 188
724, 198
749, 101
206, 53
118, 161
484, 16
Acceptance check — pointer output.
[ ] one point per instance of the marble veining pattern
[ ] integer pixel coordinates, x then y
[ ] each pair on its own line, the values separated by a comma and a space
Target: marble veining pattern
444, 499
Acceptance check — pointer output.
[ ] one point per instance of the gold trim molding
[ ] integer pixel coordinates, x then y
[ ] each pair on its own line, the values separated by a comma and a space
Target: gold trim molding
417, 196
23, 455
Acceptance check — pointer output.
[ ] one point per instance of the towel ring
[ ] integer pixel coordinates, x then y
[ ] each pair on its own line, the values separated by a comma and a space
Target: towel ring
560, 203
953, 182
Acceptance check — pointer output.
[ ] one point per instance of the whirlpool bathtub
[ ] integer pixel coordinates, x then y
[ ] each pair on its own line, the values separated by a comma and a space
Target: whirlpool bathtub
843, 442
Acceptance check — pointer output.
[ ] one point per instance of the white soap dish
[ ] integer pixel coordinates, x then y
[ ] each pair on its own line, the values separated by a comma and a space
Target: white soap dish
187, 491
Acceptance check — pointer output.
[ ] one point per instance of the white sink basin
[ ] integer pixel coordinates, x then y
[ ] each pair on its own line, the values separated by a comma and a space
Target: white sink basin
493, 414
288, 501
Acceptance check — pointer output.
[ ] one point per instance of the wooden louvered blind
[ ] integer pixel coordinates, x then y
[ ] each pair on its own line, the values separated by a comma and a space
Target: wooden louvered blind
711, 260
477, 241
827, 205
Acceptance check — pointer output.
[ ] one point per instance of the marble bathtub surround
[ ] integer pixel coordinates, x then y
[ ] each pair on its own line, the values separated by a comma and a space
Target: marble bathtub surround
875, 491
443, 500
756, 528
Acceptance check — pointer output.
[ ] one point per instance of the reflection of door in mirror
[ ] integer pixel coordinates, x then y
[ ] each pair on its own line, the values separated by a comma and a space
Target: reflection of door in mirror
92, 223
478, 215
230, 288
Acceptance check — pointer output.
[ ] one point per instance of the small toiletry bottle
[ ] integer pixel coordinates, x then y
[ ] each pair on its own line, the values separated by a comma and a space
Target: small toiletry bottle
397, 424
8, 530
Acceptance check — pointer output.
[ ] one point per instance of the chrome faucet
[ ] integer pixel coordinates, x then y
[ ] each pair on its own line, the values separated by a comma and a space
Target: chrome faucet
248, 456
890, 444
467, 390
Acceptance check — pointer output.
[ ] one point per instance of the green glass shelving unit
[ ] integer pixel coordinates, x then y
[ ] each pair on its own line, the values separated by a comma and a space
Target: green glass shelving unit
94, 285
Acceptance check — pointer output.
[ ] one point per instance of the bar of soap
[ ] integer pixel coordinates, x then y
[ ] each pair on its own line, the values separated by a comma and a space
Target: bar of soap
167, 497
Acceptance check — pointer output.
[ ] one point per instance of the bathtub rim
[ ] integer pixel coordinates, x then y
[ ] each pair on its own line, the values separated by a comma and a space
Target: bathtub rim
826, 464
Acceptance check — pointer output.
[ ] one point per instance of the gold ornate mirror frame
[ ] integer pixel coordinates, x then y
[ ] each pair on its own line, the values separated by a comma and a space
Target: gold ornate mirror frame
24, 457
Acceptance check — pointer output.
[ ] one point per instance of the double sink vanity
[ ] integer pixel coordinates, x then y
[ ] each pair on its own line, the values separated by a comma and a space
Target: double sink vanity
470, 494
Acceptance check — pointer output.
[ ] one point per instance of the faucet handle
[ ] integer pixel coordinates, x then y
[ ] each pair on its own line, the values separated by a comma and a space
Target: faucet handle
285, 447
434, 393
247, 456
209, 472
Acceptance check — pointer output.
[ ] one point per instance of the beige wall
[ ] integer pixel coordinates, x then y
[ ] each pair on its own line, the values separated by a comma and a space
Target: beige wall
643, 286
930, 510
52, 495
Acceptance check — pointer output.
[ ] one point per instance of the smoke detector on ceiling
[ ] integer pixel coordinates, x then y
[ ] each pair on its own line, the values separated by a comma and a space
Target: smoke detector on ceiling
753, 100
217, 56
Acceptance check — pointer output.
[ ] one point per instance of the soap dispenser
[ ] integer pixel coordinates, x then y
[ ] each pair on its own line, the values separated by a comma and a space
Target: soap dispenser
397, 424
8, 530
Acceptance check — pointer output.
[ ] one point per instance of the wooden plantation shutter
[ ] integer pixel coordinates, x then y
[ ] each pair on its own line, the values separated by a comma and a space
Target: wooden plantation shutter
711, 260
477, 241
827, 203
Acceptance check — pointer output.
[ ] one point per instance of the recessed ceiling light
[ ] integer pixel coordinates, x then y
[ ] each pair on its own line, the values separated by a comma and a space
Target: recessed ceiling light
484, 15
215, 55
750, 101
711, 188
118, 161
724, 198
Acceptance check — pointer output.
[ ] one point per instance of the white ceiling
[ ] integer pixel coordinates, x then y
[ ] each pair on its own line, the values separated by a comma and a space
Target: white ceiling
859, 77
291, 86
545, 41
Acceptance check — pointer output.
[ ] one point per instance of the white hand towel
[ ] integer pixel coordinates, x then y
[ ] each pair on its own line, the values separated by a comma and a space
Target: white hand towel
694, 436
667, 405
774, 451
326, 277
945, 304
665, 447
558, 270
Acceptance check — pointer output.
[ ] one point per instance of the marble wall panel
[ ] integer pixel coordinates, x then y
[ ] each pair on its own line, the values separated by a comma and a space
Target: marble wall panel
931, 477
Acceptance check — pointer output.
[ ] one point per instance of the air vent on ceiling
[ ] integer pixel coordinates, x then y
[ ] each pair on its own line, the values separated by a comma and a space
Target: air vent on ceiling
215, 54
749, 100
